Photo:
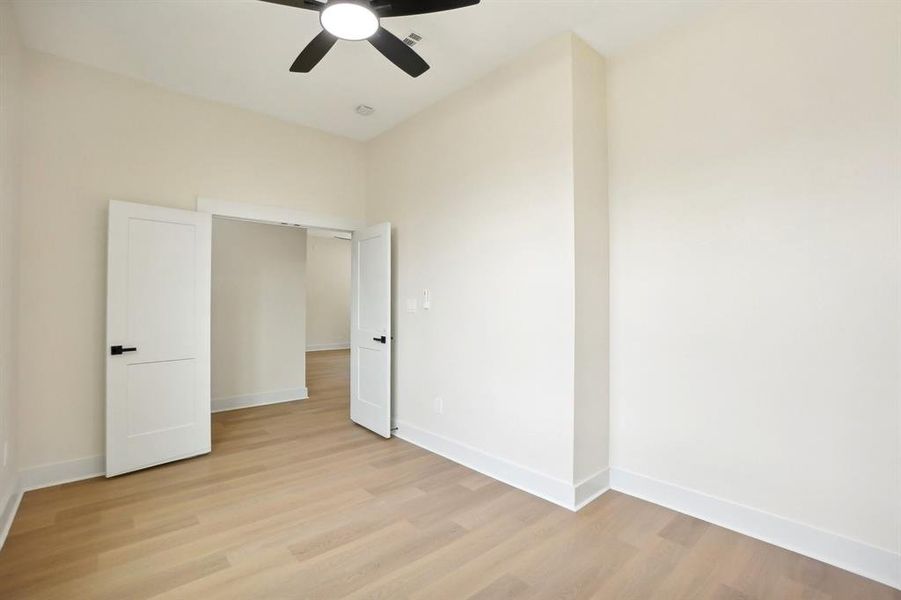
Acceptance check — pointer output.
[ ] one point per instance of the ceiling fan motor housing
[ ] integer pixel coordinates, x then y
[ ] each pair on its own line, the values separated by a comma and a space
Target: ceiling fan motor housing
352, 20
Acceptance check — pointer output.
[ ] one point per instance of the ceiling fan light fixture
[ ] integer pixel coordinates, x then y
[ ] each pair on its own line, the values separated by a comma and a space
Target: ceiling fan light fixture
358, 20
349, 20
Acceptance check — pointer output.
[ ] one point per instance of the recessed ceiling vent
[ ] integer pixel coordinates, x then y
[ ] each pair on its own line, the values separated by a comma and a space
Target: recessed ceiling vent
412, 39
364, 110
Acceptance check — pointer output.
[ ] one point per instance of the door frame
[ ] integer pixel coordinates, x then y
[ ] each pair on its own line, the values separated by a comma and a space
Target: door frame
243, 211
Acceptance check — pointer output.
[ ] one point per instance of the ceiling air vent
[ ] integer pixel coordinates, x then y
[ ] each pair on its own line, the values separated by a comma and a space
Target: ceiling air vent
412, 39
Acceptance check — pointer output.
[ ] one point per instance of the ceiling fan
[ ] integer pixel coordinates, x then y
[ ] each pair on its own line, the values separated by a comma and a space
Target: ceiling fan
358, 20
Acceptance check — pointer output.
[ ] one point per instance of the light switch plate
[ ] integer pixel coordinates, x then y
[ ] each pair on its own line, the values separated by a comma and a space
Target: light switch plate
426, 299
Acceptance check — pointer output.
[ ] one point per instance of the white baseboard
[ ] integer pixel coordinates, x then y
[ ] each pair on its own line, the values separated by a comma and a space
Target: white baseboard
8, 511
33, 478
558, 491
321, 347
874, 563
590, 488
260, 399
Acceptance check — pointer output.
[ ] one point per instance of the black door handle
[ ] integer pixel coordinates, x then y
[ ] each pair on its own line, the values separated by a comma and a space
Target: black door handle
382, 340
117, 350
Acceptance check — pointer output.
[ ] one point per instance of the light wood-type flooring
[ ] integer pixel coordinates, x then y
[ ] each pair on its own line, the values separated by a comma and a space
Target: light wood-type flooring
297, 502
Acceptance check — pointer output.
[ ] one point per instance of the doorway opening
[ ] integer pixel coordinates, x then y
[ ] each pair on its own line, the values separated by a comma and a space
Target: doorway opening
280, 327
277, 292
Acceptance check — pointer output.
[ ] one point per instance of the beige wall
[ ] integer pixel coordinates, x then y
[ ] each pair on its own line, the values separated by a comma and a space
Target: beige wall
483, 211
328, 292
592, 283
755, 262
258, 303
91, 136
10, 192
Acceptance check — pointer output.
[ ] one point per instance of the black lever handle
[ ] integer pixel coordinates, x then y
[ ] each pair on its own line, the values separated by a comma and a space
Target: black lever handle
117, 350
382, 340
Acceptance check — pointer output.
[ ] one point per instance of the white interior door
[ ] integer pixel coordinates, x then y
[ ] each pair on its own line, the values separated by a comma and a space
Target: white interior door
158, 336
370, 329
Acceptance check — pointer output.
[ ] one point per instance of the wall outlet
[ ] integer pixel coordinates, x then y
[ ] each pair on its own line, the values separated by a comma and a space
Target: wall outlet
439, 405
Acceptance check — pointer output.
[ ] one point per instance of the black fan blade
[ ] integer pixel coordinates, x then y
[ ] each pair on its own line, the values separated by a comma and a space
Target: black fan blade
314, 52
398, 52
403, 8
307, 4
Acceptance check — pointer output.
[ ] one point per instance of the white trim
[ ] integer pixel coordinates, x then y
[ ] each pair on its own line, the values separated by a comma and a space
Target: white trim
874, 563
275, 214
35, 478
10, 507
329, 234
558, 491
259, 399
590, 488
321, 347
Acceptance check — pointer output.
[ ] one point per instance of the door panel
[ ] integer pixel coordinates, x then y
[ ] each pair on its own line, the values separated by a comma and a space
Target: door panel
371, 343
158, 310
163, 323
160, 396
374, 284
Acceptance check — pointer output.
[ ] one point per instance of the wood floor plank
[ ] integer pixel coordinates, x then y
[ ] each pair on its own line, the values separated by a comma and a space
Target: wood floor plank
506, 586
295, 501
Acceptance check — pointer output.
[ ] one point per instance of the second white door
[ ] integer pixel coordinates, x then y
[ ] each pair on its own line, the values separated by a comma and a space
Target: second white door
370, 329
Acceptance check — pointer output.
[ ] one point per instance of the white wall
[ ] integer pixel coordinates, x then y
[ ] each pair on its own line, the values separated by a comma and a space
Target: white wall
258, 312
480, 191
91, 136
328, 293
592, 282
10, 193
755, 262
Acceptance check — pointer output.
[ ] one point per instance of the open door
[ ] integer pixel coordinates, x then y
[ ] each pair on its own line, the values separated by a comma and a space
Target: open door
158, 336
370, 329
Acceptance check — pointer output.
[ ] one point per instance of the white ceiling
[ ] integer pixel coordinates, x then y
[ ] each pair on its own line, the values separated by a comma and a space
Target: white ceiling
239, 51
